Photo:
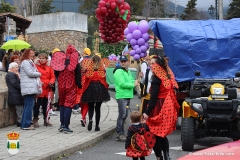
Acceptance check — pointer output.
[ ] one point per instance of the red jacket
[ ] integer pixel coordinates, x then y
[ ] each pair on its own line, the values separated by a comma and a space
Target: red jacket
47, 76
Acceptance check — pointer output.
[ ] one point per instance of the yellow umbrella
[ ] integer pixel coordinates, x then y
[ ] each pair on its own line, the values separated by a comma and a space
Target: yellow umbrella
15, 45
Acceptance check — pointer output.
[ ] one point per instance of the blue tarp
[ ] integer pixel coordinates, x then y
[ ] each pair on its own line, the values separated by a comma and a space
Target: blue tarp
209, 46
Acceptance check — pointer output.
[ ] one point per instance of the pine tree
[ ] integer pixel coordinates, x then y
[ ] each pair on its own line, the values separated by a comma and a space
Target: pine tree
190, 11
233, 11
6, 7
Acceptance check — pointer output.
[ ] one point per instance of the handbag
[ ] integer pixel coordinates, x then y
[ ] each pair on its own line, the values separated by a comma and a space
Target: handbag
39, 86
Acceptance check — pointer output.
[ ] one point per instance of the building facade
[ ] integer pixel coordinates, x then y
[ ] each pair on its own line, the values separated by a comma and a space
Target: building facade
58, 30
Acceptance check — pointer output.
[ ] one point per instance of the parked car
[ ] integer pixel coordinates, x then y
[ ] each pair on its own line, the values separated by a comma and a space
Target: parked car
227, 151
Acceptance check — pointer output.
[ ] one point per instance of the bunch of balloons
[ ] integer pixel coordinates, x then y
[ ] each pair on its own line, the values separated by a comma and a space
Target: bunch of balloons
113, 57
137, 35
113, 16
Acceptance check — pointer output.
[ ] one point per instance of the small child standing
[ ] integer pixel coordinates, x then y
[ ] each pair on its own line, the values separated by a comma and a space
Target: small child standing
139, 141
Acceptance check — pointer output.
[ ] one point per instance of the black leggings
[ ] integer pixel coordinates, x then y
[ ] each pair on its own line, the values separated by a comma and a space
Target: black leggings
97, 106
161, 144
43, 101
141, 158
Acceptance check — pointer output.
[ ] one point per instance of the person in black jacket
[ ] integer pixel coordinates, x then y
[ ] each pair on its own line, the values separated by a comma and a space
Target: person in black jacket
137, 128
14, 90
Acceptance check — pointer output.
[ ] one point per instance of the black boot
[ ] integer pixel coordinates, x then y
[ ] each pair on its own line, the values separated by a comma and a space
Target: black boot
166, 155
160, 158
90, 125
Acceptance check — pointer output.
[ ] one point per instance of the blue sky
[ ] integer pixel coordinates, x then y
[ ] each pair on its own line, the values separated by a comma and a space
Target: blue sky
201, 4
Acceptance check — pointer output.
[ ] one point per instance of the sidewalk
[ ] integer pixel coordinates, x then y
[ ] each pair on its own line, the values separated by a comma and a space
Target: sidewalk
47, 143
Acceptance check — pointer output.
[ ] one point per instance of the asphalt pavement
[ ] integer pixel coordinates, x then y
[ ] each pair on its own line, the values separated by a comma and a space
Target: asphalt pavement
110, 149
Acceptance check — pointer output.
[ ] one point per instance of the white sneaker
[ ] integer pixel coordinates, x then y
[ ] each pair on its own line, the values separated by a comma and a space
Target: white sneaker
75, 111
52, 113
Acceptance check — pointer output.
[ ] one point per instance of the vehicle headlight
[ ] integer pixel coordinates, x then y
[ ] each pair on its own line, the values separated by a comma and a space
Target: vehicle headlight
217, 90
197, 106
238, 109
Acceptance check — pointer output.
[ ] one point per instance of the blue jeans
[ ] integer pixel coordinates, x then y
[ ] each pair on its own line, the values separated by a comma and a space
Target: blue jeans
27, 111
65, 116
122, 114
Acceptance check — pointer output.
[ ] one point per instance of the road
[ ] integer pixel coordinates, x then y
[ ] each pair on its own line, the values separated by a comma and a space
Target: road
110, 149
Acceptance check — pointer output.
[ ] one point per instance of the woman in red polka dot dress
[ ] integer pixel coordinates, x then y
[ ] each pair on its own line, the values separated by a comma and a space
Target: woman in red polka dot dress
162, 111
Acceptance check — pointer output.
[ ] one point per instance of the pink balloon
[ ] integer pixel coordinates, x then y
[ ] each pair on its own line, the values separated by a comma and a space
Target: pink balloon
103, 9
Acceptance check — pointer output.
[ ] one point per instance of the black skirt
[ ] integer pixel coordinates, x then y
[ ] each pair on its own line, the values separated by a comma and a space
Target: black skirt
96, 92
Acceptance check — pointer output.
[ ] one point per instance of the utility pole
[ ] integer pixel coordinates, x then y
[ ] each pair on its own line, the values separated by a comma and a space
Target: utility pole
220, 9
32, 7
175, 12
216, 7
62, 5
147, 12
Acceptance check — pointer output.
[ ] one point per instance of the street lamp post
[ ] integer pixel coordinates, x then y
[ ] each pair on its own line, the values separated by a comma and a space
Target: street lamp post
211, 10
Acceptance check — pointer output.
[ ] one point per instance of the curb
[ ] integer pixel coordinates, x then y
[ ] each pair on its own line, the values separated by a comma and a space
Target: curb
78, 146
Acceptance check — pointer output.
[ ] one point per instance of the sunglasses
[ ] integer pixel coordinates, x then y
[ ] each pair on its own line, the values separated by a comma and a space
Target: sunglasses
123, 61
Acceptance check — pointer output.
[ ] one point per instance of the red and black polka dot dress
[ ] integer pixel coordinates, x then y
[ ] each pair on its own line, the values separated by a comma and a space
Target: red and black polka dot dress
163, 118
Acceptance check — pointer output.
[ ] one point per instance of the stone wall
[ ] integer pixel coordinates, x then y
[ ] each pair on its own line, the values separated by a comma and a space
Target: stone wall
7, 112
58, 39
58, 30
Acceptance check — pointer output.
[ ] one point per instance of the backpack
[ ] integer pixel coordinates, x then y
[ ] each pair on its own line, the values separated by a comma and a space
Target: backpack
143, 140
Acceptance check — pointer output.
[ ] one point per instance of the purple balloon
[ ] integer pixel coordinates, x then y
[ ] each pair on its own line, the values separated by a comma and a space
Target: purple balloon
143, 21
143, 27
133, 42
132, 53
132, 26
141, 41
145, 36
129, 37
138, 51
135, 47
126, 31
143, 49
142, 55
136, 57
136, 34
147, 45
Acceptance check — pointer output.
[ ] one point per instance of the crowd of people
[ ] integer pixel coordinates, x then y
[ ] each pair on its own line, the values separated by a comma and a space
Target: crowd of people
34, 80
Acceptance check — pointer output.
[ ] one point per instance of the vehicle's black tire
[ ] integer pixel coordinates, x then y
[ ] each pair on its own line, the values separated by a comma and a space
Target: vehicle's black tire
235, 139
187, 134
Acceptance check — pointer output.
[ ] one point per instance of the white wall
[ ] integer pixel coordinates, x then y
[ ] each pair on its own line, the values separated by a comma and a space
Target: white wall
58, 21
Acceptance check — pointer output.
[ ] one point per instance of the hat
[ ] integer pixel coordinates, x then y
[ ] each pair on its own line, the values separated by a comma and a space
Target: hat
87, 51
123, 58
55, 50
12, 65
98, 54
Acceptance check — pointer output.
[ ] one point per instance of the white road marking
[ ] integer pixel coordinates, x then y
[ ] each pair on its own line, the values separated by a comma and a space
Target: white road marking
124, 153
